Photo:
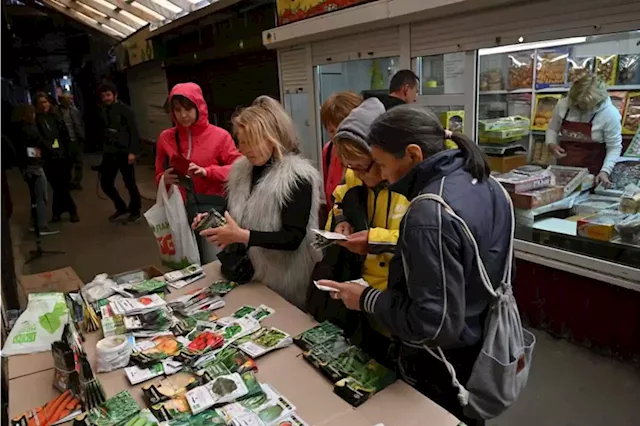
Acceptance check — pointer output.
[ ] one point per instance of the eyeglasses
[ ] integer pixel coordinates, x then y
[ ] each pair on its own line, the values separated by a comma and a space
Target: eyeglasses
361, 169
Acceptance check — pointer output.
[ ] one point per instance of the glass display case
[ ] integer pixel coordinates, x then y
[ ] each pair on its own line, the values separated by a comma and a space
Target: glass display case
518, 88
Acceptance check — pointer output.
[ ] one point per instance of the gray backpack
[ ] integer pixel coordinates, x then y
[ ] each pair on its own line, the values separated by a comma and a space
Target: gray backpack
502, 367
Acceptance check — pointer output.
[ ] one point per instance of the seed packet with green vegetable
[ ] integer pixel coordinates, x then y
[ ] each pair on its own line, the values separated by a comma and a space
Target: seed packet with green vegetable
115, 411
238, 328
244, 311
265, 341
206, 418
318, 334
143, 418
147, 287
262, 312
221, 390
222, 287
235, 360
268, 409
323, 353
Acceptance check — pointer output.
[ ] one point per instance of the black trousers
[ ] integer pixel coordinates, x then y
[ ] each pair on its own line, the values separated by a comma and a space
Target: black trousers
59, 176
430, 377
77, 171
111, 165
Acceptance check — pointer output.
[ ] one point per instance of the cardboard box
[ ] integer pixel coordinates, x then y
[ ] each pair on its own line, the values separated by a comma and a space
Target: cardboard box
537, 198
600, 226
506, 163
151, 271
60, 280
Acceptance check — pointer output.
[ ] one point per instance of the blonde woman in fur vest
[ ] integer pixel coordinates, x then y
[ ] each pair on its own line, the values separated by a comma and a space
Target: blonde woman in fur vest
273, 201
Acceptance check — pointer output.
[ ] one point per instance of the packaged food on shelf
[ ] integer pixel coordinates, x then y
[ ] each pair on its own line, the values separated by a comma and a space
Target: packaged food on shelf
491, 80
606, 67
600, 226
619, 100
630, 199
631, 118
545, 104
628, 69
629, 229
537, 198
633, 150
541, 152
519, 104
515, 182
506, 163
551, 67
521, 70
579, 66
568, 178
503, 130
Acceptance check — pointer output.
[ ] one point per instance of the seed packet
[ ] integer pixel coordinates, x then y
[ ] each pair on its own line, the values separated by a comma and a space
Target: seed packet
222, 287
168, 388
269, 408
138, 375
159, 319
187, 325
264, 341
114, 411
187, 272
327, 351
185, 282
140, 305
222, 390
213, 220
206, 418
234, 360
262, 312
244, 311
158, 348
606, 68
318, 334
172, 409
239, 328
147, 287
199, 343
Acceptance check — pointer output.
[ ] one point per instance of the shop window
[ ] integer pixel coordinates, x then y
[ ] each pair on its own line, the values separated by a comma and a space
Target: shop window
519, 88
442, 74
366, 77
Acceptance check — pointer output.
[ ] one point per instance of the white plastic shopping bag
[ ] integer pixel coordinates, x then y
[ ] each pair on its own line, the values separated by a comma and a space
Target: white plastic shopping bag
168, 220
41, 324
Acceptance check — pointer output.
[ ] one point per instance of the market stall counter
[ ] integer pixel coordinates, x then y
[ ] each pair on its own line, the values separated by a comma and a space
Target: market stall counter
285, 369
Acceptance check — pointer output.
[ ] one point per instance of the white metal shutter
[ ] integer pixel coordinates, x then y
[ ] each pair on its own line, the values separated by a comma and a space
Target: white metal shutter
148, 92
294, 72
535, 21
371, 44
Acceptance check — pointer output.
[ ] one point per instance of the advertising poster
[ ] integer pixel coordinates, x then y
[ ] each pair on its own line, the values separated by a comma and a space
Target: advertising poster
295, 10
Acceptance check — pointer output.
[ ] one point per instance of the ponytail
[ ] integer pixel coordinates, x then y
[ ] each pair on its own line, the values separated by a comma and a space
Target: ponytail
475, 162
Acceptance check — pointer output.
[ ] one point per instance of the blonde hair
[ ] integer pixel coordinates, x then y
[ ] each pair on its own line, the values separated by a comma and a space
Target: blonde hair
267, 121
337, 107
587, 92
347, 150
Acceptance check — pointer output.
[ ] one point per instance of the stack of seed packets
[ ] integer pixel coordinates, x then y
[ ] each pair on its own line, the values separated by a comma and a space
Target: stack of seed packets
258, 314
263, 341
159, 320
237, 328
137, 374
268, 409
196, 301
184, 277
140, 305
222, 390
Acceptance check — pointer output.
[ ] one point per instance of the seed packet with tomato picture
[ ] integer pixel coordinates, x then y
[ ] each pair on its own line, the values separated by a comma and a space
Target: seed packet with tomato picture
144, 304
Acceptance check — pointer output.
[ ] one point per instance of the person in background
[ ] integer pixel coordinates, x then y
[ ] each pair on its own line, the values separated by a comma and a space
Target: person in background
57, 159
403, 89
121, 146
210, 149
30, 152
74, 124
586, 130
273, 201
333, 111
435, 296
380, 211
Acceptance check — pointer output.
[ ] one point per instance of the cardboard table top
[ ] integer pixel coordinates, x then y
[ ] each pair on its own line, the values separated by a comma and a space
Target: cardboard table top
285, 369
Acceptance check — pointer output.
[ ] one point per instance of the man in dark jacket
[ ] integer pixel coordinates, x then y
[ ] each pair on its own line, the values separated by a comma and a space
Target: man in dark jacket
72, 119
121, 146
403, 89
57, 161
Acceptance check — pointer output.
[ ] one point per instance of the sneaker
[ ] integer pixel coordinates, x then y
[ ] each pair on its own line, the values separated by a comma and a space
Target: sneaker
74, 218
133, 218
116, 216
45, 231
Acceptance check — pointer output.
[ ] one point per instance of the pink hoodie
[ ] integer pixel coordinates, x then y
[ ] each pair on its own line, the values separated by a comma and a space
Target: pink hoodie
211, 146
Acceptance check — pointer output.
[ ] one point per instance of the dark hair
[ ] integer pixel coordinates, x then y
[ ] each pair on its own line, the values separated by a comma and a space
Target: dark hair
183, 101
401, 78
23, 113
407, 125
41, 95
108, 87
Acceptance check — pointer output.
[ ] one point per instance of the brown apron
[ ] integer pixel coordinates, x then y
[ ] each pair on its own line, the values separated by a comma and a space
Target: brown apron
582, 151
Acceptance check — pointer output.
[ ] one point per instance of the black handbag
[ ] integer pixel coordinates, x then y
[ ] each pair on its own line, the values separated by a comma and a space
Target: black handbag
236, 265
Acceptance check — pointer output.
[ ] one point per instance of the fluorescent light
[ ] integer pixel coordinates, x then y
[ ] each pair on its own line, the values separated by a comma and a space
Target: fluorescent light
530, 46
123, 25
149, 11
168, 5
89, 8
133, 17
106, 4
85, 17
114, 31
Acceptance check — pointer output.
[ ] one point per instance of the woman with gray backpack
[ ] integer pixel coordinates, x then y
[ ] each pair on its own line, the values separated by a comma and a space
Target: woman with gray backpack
449, 304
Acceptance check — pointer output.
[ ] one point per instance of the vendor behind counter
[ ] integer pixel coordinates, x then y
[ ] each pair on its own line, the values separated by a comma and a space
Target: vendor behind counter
586, 130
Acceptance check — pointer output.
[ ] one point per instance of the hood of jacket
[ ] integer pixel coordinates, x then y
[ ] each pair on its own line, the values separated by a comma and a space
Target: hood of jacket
356, 126
431, 169
193, 92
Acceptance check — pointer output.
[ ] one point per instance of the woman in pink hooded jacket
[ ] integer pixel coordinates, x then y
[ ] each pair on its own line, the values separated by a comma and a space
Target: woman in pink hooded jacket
209, 149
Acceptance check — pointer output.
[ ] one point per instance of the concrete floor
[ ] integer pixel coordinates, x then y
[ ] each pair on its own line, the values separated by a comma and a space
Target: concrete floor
568, 385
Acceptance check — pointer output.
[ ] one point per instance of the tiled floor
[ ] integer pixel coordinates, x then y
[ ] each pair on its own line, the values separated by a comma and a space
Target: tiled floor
568, 385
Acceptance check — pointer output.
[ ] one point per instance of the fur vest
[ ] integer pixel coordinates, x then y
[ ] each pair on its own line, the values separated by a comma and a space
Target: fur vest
286, 272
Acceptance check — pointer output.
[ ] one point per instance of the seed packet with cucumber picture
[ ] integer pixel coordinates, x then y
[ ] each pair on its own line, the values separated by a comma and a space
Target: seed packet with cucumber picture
264, 341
